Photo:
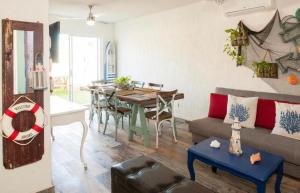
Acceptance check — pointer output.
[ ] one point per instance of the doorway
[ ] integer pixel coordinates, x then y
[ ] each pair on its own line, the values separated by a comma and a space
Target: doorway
78, 66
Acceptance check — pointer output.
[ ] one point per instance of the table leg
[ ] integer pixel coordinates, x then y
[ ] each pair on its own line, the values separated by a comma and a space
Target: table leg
144, 127
133, 122
84, 134
261, 187
279, 178
52, 135
175, 128
191, 165
91, 117
214, 169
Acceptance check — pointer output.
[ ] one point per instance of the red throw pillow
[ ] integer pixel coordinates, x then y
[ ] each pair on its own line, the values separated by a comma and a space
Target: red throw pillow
266, 112
218, 106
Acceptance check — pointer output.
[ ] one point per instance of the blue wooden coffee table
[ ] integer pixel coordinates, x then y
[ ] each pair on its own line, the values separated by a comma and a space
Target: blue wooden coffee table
240, 166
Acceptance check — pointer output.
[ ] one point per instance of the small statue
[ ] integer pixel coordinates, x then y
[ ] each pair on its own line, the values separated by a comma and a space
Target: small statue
255, 158
235, 140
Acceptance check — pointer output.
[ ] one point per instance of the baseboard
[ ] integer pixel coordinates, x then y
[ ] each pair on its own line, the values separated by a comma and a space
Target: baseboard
49, 190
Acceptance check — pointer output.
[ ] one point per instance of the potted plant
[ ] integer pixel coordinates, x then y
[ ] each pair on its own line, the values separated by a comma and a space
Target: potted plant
123, 82
236, 38
265, 69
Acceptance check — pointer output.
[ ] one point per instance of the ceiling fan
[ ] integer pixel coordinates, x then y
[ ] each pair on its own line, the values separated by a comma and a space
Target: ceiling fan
90, 20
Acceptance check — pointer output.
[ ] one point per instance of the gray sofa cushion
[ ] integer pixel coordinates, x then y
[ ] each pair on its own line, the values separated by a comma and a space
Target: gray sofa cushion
263, 95
258, 138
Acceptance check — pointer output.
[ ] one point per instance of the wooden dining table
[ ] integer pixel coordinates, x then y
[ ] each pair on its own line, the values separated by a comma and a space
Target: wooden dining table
138, 98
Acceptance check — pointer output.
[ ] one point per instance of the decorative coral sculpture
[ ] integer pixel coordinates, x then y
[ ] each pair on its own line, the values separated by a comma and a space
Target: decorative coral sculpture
255, 158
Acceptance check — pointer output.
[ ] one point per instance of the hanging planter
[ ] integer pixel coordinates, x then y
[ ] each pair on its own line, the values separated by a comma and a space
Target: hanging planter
264, 69
237, 39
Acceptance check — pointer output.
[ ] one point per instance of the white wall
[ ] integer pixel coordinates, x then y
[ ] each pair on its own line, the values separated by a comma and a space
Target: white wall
80, 28
37, 176
183, 48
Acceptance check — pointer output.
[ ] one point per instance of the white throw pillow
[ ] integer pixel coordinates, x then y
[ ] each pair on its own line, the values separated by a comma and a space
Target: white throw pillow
243, 108
287, 120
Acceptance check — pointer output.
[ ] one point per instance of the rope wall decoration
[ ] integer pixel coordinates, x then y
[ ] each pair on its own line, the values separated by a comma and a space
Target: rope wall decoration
276, 46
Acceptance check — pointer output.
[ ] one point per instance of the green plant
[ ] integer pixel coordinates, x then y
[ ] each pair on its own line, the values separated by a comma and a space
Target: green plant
261, 67
233, 53
123, 81
233, 34
231, 45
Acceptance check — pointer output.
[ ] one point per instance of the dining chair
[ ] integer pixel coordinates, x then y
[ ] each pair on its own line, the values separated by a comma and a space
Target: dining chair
164, 112
95, 107
155, 85
138, 84
116, 109
99, 106
103, 81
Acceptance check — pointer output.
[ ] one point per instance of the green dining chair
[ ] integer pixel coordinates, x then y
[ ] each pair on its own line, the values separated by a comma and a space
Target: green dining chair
96, 106
115, 109
138, 84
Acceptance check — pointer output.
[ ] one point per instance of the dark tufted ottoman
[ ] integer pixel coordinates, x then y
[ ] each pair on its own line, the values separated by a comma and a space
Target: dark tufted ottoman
144, 175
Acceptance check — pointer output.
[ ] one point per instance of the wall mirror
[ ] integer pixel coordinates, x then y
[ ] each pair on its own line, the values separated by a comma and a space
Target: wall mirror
23, 60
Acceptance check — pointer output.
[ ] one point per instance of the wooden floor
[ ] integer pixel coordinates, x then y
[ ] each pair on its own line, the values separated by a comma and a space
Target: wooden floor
102, 152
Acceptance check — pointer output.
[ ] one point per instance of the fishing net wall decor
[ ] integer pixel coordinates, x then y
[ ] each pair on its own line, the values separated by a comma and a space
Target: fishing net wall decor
279, 40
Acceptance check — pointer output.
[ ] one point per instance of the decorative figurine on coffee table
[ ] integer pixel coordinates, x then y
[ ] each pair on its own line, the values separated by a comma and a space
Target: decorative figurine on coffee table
235, 140
215, 144
255, 158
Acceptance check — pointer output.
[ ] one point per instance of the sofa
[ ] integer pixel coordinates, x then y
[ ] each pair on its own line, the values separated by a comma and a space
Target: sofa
259, 137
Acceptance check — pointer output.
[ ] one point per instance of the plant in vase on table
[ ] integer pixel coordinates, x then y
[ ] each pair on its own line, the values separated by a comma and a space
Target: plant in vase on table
123, 82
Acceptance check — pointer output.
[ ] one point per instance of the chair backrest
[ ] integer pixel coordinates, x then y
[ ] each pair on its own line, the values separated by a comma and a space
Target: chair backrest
101, 82
165, 102
139, 84
109, 97
155, 85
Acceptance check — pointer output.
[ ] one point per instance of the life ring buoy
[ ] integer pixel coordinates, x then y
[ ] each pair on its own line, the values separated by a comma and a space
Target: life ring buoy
11, 113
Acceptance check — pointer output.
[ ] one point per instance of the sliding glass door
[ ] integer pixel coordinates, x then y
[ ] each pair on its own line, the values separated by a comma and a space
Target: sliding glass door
85, 59
79, 66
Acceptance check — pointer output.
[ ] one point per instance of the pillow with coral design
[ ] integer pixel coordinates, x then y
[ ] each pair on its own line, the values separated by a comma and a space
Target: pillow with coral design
243, 108
287, 120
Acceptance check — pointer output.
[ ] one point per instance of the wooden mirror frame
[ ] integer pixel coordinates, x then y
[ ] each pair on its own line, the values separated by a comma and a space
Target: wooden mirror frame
15, 155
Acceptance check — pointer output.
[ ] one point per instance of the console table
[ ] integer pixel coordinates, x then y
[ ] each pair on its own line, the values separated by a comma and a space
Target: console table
240, 166
64, 112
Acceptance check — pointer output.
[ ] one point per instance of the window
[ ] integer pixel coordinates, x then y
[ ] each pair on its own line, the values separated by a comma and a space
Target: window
79, 65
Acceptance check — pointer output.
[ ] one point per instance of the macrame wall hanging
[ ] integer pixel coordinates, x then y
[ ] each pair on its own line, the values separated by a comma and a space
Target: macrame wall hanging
276, 46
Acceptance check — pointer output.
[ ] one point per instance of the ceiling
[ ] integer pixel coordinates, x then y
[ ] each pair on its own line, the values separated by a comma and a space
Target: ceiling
112, 11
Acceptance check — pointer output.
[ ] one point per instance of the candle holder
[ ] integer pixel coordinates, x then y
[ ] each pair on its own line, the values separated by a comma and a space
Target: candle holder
39, 75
